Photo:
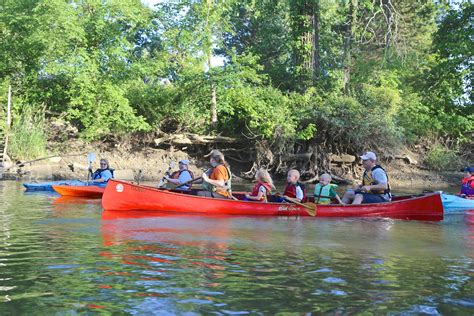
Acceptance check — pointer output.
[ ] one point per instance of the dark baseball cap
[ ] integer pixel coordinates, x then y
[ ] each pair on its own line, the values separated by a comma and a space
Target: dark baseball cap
469, 169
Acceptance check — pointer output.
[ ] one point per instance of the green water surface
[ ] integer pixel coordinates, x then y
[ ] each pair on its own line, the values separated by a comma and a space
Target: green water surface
60, 257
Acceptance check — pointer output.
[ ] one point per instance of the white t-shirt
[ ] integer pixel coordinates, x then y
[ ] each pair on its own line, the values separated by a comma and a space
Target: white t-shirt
381, 177
299, 193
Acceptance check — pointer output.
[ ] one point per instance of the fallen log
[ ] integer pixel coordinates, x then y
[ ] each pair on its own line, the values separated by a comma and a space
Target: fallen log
193, 139
20, 164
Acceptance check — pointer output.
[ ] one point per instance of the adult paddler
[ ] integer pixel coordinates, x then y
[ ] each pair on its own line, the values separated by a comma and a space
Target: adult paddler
217, 180
374, 188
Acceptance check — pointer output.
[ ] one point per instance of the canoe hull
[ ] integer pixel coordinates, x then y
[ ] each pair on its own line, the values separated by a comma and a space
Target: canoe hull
124, 196
90, 191
48, 186
455, 203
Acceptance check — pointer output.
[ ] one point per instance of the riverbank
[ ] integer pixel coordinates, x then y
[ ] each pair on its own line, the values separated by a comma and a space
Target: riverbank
149, 164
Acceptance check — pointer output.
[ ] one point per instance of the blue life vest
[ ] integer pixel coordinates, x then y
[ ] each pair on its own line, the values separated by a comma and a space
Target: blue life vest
98, 173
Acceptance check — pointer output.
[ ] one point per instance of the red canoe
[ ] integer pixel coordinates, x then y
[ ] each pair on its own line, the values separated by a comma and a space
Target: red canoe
125, 196
90, 191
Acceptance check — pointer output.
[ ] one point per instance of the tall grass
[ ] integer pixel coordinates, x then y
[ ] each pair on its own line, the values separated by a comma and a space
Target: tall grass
27, 137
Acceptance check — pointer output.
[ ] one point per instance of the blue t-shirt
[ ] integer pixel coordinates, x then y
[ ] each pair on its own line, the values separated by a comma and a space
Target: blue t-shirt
104, 174
185, 176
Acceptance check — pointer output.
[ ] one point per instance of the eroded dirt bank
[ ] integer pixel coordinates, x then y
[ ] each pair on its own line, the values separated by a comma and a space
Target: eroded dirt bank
149, 164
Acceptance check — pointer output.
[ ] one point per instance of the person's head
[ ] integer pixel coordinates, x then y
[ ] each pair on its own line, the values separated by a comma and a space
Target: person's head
262, 175
324, 179
293, 176
104, 163
216, 158
183, 164
468, 171
368, 160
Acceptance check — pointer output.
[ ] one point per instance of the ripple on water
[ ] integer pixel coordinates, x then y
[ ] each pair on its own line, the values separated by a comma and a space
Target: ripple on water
334, 280
338, 292
461, 302
247, 265
423, 309
322, 270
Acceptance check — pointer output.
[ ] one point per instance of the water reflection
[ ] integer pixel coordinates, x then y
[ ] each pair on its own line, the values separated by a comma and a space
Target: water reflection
238, 264
65, 256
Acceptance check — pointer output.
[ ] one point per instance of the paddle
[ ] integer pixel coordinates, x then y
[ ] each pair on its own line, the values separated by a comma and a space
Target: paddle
310, 208
167, 173
90, 159
192, 180
188, 182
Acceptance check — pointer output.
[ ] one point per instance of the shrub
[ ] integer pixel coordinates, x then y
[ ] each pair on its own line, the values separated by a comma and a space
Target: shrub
441, 158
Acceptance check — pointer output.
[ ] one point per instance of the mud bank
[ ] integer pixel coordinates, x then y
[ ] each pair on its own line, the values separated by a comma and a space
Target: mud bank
150, 164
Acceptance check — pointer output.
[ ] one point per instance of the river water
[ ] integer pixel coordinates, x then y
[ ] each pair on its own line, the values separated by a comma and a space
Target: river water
64, 257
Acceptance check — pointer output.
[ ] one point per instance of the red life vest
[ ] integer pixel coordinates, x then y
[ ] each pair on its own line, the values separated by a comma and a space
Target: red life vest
257, 186
290, 190
468, 186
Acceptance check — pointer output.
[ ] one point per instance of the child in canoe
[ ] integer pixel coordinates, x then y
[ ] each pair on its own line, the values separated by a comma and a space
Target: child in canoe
294, 190
263, 188
324, 191
467, 185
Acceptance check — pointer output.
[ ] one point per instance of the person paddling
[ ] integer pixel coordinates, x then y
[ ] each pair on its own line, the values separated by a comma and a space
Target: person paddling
467, 184
263, 188
374, 188
217, 180
103, 174
183, 175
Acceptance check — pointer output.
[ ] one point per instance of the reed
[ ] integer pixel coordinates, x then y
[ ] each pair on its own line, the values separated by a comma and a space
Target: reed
27, 135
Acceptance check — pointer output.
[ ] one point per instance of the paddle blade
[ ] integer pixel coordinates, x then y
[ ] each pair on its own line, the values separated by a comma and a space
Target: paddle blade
310, 208
161, 183
90, 157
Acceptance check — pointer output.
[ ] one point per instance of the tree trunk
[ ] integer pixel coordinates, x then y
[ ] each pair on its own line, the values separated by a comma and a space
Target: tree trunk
214, 119
213, 104
307, 28
316, 51
348, 41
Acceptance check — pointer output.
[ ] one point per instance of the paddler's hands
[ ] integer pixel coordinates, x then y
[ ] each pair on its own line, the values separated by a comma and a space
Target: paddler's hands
205, 177
365, 188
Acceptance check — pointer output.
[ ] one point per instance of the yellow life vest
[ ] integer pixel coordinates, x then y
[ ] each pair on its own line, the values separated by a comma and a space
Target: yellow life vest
369, 180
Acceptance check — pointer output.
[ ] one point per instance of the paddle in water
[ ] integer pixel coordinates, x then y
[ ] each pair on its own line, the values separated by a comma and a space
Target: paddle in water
310, 208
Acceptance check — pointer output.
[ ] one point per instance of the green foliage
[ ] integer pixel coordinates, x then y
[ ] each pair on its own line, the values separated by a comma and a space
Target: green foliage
441, 158
27, 137
307, 133
102, 109
416, 119
77, 59
261, 111
111, 67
